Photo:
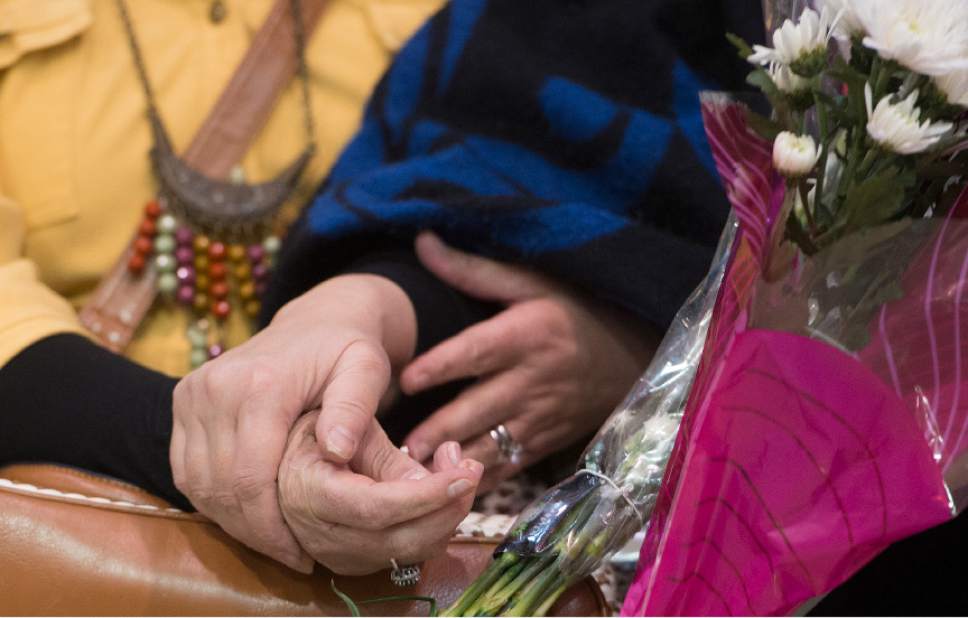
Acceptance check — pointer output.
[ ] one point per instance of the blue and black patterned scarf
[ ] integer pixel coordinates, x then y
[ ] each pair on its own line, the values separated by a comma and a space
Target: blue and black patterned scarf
562, 134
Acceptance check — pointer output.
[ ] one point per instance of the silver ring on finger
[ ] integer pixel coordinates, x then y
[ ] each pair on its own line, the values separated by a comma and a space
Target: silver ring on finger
507, 448
404, 576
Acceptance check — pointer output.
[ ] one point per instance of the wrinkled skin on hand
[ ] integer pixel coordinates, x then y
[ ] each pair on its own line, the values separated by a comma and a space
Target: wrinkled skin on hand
354, 518
333, 349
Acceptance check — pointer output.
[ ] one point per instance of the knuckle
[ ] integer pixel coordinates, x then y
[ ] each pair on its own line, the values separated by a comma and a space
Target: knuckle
248, 484
258, 375
382, 458
223, 499
349, 408
477, 355
367, 355
182, 395
214, 377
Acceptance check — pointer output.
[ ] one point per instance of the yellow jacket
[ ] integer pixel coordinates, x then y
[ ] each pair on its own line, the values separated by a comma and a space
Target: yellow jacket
74, 141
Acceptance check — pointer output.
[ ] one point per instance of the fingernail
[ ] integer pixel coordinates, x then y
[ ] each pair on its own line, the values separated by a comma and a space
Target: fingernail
416, 474
405, 449
340, 442
458, 488
453, 453
472, 465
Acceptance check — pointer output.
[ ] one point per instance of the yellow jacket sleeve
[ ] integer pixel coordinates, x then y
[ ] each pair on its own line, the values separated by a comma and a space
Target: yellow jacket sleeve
24, 27
29, 310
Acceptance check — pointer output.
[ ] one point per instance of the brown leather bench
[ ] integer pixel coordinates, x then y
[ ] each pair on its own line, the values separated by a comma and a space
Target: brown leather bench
75, 543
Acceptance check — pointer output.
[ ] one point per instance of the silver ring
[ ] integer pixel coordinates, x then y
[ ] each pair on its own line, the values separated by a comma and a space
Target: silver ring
506, 446
404, 576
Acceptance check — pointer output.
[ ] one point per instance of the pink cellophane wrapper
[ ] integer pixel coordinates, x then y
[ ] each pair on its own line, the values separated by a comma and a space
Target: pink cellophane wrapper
798, 459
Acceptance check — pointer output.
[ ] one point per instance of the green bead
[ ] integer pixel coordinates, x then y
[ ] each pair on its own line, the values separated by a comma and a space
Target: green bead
197, 338
271, 244
198, 358
167, 283
165, 263
164, 243
167, 224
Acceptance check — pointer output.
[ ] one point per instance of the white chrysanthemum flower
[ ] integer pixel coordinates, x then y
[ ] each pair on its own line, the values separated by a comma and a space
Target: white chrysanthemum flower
787, 81
955, 87
927, 36
794, 155
898, 127
802, 46
847, 24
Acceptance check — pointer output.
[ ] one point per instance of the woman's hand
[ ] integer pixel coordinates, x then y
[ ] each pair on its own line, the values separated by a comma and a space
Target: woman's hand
551, 367
355, 518
332, 349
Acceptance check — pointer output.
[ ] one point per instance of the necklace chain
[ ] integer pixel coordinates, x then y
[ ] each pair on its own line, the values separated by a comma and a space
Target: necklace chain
299, 34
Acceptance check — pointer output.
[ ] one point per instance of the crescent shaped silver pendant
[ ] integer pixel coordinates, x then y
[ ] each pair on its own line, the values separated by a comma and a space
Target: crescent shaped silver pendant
233, 211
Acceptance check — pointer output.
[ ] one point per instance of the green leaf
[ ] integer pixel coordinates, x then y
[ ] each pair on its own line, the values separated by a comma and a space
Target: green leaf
878, 198
350, 605
745, 51
763, 126
762, 80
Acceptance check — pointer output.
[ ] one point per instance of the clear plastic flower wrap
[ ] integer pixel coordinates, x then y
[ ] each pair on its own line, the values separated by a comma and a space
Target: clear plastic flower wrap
577, 525
809, 406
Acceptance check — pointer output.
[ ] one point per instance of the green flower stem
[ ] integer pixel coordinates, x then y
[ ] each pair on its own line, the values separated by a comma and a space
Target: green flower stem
869, 159
805, 198
492, 601
533, 594
482, 583
550, 599
824, 152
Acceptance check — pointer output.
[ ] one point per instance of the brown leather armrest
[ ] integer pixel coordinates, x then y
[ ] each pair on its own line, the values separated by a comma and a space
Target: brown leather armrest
76, 543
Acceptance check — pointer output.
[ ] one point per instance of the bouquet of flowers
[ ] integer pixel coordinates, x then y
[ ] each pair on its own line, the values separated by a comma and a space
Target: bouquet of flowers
809, 406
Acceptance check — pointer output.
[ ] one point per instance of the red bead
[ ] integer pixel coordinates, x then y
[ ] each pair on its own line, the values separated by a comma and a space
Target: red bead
153, 209
216, 251
143, 245
221, 309
219, 290
217, 271
148, 228
136, 264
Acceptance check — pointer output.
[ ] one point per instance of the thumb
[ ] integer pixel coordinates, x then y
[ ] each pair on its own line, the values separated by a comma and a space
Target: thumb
378, 459
357, 382
477, 276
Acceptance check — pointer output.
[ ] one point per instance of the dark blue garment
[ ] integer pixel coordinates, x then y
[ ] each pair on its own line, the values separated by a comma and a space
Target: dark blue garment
565, 135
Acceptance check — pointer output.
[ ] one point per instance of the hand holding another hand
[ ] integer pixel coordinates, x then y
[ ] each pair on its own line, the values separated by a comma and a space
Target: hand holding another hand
384, 505
331, 349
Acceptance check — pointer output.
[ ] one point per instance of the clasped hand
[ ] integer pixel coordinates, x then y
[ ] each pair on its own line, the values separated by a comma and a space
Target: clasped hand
327, 486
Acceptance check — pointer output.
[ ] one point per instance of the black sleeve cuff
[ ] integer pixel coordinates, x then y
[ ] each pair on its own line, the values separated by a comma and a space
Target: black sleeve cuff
441, 311
69, 401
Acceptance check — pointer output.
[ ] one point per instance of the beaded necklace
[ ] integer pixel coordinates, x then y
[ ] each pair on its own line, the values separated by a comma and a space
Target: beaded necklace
211, 242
